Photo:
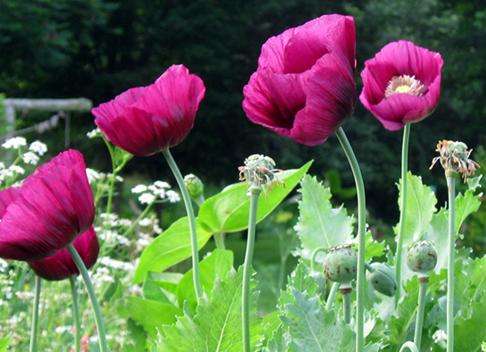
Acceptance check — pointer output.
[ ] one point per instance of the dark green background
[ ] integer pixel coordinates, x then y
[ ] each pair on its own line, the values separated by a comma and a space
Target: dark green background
98, 48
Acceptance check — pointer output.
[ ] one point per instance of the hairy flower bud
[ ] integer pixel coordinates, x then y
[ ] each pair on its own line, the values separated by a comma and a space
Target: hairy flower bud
454, 158
340, 264
382, 278
194, 186
259, 170
422, 257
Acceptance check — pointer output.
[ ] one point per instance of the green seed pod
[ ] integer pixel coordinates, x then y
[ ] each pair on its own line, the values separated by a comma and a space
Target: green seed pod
422, 257
382, 278
194, 186
340, 264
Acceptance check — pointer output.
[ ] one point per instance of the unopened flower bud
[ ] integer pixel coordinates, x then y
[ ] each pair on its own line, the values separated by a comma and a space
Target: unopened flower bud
454, 158
194, 186
422, 257
259, 170
340, 264
382, 278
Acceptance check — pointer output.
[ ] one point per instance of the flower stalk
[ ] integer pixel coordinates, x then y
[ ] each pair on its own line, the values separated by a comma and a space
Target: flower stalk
346, 292
100, 325
332, 295
358, 179
76, 316
451, 186
192, 222
419, 320
403, 204
35, 315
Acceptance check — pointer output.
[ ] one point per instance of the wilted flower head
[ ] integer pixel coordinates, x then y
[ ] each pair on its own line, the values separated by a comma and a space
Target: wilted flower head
401, 84
147, 120
454, 158
304, 85
258, 170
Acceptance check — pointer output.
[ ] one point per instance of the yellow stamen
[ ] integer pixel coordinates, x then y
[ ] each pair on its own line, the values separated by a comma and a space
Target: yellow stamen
405, 84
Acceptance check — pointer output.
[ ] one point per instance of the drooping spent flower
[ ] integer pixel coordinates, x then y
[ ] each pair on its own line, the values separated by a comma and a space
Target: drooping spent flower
340, 264
147, 120
422, 257
259, 170
304, 87
60, 265
52, 207
401, 84
454, 158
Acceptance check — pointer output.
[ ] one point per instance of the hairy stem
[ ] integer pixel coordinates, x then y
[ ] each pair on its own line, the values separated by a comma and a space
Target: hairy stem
219, 240
419, 321
100, 324
76, 316
360, 285
346, 292
451, 186
35, 316
250, 244
192, 222
403, 204
332, 295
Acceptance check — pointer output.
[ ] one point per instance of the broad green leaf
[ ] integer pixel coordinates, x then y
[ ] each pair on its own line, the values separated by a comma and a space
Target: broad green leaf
311, 328
149, 314
216, 326
374, 249
228, 210
167, 281
169, 248
153, 291
4, 344
320, 225
420, 208
214, 266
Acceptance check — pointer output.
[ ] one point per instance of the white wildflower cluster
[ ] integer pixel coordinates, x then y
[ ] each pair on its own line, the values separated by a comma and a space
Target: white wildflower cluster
111, 228
94, 133
102, 276
94, 176
116, 264
14, 143
440, 337
158, 191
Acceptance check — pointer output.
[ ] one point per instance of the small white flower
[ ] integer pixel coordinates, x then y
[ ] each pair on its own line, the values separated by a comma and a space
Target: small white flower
440, 336
124, 222
15, 169
30, 158
146, 198
15, 143
145, 222
161, 184
172, 196
139, 189
38, 147
94, 133
24, 295
93, 175
116, 264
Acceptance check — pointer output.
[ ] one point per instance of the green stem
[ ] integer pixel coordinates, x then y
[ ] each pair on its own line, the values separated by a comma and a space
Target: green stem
76, 316
314, 256
403, 203
332, 295
35, 316
250, 244
419, 322
410, 346
100, 325
219, 240
140, 217
360, 285
192, 222
346, 292
451, 186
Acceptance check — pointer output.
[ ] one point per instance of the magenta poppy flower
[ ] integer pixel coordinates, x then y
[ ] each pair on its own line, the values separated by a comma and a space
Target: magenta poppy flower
52, 207
304, 86
60, 265
147, 120
401, 84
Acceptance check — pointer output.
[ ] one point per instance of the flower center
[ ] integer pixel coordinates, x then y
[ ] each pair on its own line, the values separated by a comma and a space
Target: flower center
405, 84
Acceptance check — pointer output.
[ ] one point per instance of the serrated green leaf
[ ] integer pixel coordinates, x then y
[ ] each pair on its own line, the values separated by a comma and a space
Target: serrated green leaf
169, 248
214, 266
320, 225
374, 249
216, 326
228, 210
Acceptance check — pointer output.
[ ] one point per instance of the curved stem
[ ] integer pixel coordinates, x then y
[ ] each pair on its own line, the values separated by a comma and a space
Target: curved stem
403, 203
137, 220
332, 295
451, 186
314, 256
346, 292
76, 316
35, 316
419, 321
192, 222
360, 284
219, 240
100, 325
410, 346
250, 244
